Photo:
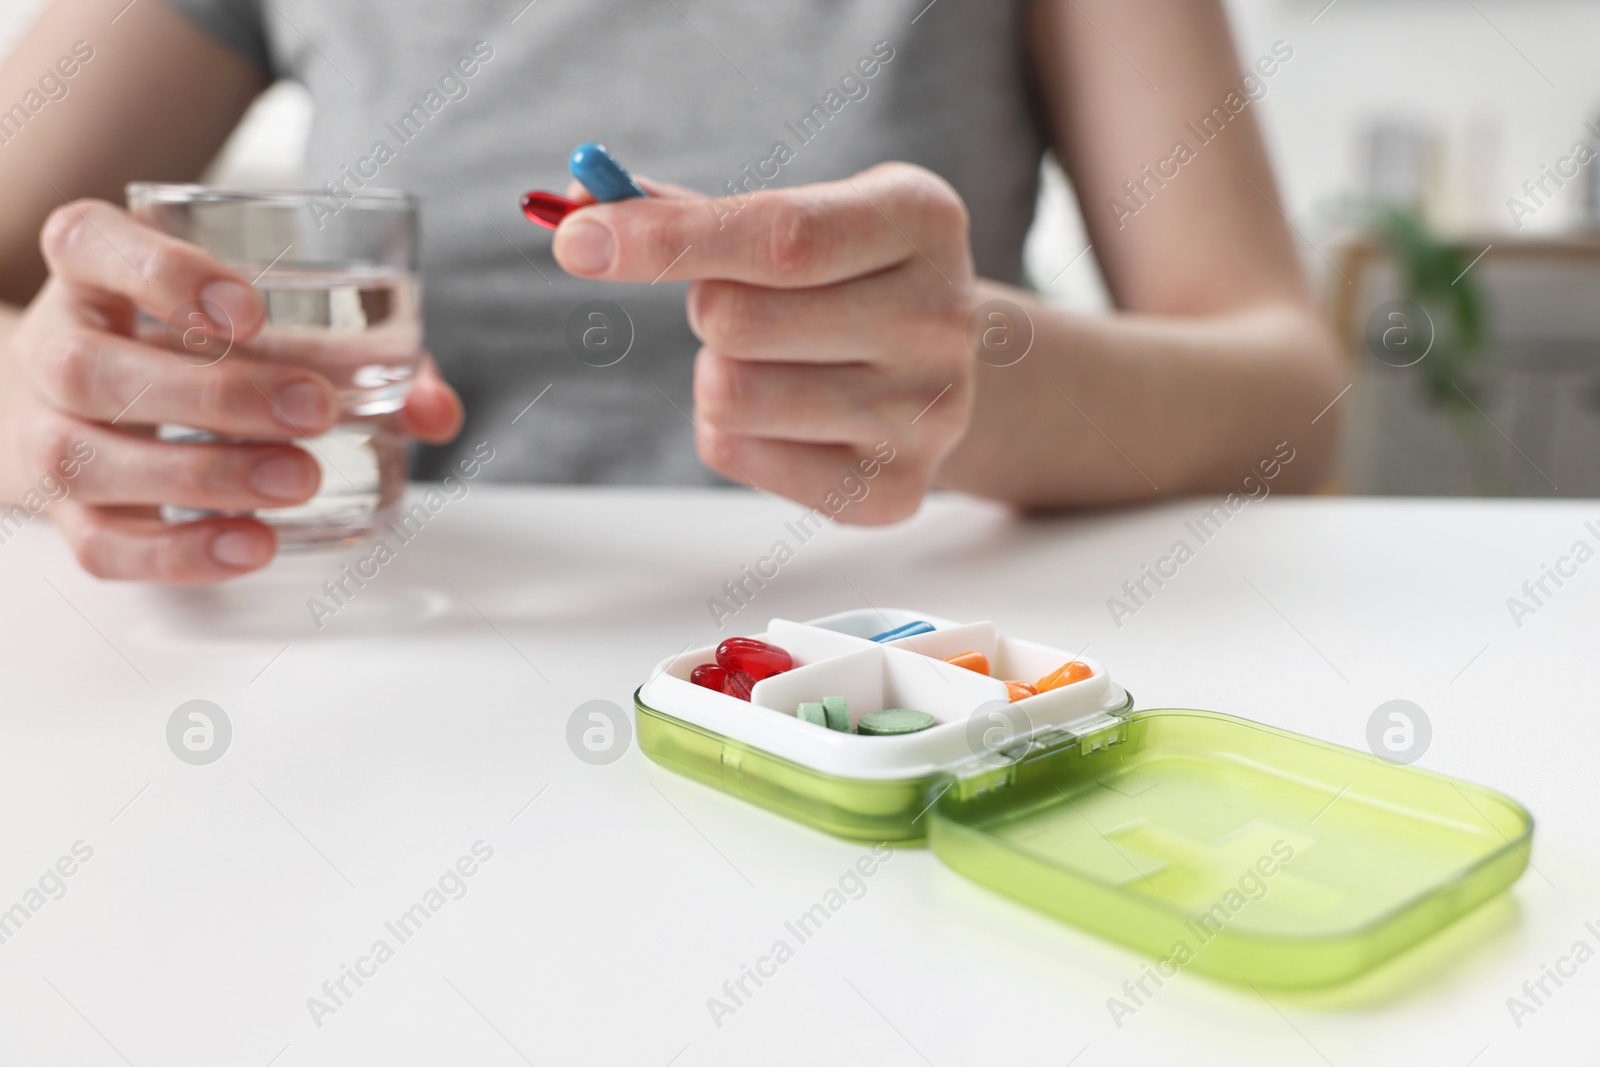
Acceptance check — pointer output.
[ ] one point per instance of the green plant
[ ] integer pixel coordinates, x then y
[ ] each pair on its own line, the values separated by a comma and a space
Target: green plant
1434, 275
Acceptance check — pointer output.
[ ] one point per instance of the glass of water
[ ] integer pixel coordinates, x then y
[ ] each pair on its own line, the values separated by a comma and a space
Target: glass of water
339, 279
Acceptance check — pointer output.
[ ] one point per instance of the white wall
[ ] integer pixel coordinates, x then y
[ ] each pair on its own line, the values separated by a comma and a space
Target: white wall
1475, 70
1440, 60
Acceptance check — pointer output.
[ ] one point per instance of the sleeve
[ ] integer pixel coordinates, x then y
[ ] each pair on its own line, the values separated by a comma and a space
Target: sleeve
236, 23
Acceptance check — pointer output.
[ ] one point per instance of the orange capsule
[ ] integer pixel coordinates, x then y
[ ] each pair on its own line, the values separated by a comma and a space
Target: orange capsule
1020, 691
1065, 674
972, 661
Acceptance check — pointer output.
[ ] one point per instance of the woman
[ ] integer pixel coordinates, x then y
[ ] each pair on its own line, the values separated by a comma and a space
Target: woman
875, 166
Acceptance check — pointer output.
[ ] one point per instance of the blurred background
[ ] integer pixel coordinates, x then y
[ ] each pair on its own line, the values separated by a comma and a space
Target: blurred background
1428, 153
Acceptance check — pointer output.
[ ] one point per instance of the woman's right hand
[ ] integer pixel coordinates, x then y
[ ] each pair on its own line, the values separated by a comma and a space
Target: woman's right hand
88, 394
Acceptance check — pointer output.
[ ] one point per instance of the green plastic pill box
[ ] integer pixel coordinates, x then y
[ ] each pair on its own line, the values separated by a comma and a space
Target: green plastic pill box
1211, 842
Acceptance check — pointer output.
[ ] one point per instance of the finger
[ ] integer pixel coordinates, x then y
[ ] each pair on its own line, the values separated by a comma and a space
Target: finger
104, 377
580, 193
141, 547
846, 403
788, 238
433, 411
832, 478
95, 246
666, 190
872, 319
115, 468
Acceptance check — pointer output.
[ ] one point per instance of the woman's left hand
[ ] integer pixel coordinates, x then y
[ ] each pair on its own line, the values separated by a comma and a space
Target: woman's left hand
832, 319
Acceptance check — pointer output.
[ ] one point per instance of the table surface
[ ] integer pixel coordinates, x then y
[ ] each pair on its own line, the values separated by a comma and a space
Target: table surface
429, 715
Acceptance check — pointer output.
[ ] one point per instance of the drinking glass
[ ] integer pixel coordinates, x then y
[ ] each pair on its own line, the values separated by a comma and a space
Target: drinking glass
339, 280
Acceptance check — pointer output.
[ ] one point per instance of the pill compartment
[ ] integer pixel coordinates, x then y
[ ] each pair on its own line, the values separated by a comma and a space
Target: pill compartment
869, 622
1009, 659
1155, 829
861, 787
875, 678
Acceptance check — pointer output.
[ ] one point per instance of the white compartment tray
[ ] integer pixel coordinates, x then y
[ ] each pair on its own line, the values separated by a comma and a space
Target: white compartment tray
834, 656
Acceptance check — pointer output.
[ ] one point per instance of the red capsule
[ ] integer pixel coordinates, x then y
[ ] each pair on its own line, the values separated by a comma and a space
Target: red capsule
547, 209
738, 684
756, 658
709, 675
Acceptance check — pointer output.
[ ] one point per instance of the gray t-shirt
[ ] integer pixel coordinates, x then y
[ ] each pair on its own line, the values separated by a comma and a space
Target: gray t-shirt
690, 91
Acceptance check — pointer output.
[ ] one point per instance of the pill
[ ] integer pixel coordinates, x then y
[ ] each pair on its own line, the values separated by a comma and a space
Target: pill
891, 721
811, 712
972, 661
709, 675
734, 683
837, 712
756, 658
738, 684
547, 209
918, 627
1065, 674
602, 175
1020, 691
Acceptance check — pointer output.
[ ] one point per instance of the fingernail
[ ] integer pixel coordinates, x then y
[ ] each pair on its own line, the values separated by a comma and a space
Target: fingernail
236, 548
238, 302
283, 478
303, 405
584, 246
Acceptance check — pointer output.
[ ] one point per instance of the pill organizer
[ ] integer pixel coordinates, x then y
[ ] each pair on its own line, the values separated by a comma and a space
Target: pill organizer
1213, 843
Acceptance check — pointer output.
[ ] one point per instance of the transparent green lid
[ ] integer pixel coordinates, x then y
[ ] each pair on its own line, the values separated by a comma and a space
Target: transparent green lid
1223, 846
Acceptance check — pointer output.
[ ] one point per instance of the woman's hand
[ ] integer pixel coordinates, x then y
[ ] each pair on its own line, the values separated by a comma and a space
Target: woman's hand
88, 393
833, 320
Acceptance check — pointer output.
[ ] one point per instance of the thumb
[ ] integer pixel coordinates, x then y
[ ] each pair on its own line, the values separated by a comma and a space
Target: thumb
433, 411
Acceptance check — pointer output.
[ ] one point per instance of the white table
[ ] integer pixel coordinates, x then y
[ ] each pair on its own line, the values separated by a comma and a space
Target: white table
430, 713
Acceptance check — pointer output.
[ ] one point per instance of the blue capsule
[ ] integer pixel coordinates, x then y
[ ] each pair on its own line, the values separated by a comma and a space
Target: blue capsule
908, 630
603, 176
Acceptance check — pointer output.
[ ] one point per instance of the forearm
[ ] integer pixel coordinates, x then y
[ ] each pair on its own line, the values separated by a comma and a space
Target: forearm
1109, 409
